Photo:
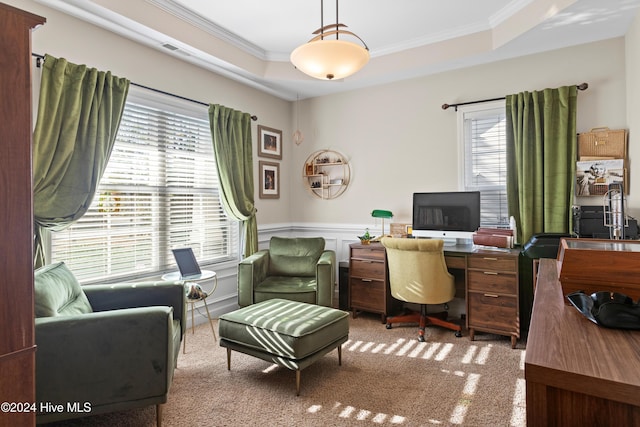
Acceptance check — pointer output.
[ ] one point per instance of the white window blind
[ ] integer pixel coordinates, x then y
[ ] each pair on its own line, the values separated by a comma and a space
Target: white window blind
159, 192
483, 132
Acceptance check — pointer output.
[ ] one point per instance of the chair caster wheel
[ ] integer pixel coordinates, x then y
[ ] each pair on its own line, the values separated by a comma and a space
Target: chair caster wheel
458, 334
388, 326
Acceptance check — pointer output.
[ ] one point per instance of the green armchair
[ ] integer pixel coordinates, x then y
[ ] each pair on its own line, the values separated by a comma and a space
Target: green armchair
104, 348
297, 269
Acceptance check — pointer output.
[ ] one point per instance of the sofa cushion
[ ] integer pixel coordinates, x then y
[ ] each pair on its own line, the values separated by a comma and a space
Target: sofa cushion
293, 288
58, 293
296, 256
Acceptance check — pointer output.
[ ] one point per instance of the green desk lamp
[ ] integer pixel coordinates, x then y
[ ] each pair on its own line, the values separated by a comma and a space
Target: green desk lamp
379, 213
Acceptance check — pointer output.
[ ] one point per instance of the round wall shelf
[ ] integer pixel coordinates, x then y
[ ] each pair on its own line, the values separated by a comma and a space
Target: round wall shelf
326, 174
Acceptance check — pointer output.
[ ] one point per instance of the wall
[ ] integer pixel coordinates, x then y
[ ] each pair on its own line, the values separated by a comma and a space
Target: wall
400, 140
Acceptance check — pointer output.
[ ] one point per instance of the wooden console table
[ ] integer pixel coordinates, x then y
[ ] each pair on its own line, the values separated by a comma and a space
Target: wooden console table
578, 373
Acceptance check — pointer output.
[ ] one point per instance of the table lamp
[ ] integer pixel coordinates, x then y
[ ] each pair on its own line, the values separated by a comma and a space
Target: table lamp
379, 213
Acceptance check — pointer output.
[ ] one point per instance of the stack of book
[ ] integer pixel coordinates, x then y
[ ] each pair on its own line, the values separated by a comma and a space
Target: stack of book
497, 237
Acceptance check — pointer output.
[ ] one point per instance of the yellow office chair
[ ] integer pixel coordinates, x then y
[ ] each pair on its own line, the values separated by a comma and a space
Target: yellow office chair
418, 274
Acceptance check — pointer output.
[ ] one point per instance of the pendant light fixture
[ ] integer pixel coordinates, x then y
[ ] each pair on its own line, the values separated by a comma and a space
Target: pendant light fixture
328, 58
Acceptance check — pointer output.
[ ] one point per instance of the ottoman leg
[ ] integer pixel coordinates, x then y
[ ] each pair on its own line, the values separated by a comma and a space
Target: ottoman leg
228, 359
297, 382
340, 355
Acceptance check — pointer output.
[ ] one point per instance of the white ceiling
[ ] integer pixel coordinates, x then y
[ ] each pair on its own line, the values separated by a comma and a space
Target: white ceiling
251, 40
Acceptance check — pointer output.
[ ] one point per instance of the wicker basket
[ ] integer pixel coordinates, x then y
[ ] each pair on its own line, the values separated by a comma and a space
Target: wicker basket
598, 189
603, 143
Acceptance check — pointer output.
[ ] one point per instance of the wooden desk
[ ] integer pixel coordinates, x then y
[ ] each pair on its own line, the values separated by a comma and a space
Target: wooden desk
578, 373
488, 280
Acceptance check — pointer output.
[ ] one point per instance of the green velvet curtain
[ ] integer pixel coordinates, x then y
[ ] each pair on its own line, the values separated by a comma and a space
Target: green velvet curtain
541, 159
232, 146
79, 113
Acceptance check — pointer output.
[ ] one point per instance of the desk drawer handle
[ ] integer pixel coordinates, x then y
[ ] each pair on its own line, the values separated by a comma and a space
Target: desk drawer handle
367, 280
493, 273
491, 295
490, 258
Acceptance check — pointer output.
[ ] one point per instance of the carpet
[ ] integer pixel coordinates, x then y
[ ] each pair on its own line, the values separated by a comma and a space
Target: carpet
387, 378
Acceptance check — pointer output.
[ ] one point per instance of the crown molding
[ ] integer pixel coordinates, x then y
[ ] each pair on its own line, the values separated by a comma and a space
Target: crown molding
507, 12
215, 30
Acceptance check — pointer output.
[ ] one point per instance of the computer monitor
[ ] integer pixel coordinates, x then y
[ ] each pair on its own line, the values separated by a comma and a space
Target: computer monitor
446, 215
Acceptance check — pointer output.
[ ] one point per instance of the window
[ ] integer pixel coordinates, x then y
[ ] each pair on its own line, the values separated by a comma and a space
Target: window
482, 129
159, 192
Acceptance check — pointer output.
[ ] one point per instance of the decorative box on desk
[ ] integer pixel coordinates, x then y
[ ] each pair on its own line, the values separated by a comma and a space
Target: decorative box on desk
593, 265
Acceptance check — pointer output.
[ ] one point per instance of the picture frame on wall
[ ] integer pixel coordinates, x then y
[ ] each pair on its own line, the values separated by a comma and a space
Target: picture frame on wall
269, 142
594, 176
269, 180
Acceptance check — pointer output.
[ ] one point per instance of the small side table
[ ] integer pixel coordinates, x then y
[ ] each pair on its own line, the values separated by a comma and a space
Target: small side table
205, 275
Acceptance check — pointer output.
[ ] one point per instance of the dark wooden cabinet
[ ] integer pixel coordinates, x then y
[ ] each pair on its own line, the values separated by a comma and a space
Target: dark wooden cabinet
492, 294
17, 346
368, 281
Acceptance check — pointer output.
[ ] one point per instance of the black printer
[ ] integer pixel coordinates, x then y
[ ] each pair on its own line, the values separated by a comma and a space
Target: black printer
588, 221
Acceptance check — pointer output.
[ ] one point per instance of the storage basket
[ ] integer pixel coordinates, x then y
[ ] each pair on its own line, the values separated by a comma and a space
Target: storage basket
603, 143
598, 189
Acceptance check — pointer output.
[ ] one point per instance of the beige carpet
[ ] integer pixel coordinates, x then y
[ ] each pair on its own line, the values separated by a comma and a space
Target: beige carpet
387, 378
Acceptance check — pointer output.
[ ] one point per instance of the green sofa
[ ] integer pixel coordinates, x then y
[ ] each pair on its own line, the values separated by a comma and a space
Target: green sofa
296, 269
104, 348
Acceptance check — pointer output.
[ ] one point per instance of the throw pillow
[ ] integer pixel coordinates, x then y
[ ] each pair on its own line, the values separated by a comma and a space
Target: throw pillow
58, 293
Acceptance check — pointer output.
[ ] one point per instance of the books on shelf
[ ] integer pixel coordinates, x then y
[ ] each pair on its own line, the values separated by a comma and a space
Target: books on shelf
498, 237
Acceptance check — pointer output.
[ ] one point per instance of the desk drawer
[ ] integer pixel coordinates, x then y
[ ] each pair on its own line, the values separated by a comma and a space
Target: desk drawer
492, 281
492, 311
367, 253
455, 262
367, 294
493, 262
371, 269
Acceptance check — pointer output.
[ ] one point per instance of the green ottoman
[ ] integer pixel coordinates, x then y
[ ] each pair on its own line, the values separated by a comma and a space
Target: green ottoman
289, 333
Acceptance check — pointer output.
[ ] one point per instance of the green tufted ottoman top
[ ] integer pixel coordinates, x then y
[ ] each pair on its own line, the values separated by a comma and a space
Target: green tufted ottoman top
284, 328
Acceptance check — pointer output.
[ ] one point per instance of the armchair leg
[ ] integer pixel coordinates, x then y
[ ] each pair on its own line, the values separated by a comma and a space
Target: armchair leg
159, 414
184, 343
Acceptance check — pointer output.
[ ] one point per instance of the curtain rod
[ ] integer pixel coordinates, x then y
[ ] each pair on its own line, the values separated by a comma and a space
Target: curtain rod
581, 86
41, 57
